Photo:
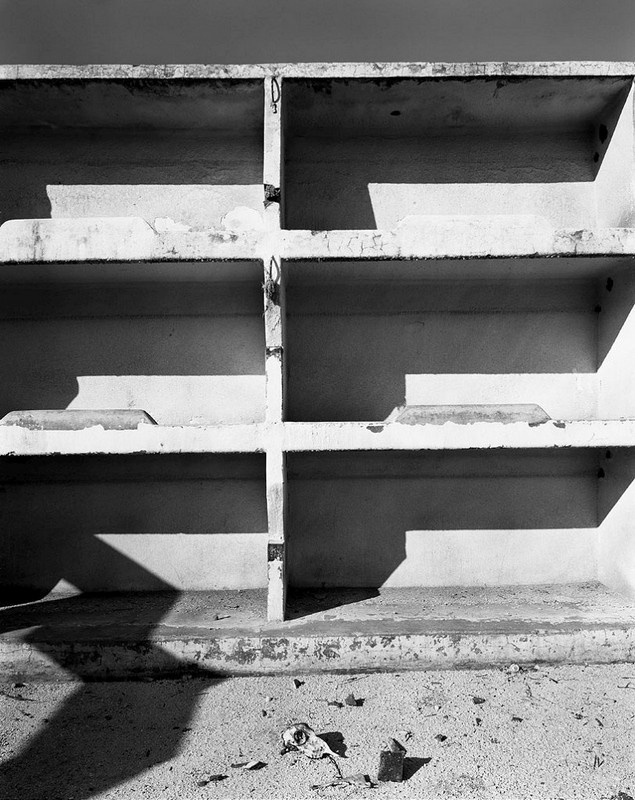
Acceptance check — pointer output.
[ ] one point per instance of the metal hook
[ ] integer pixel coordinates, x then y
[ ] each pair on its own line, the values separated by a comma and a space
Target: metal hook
273, 264
275, 94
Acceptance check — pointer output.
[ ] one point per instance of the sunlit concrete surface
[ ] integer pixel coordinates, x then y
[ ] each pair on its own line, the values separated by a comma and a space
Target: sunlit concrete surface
542, 732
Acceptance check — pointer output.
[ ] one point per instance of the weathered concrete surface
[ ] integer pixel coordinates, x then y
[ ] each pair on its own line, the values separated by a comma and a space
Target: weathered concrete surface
160, 522
466, 415
134, 239
544, 733
78, 419
12, 72
226, 634
379, 435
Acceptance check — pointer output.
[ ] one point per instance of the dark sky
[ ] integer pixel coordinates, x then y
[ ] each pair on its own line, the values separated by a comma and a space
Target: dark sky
247, 31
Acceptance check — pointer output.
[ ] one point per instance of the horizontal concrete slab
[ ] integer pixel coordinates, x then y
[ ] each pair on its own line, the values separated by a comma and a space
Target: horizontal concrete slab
334, 69
77, 419
116, 636
468, 414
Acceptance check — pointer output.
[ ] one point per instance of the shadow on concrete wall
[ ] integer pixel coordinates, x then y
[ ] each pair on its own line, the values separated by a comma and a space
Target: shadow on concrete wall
117, 338
103, 734
55, 509
350, 514
351, 348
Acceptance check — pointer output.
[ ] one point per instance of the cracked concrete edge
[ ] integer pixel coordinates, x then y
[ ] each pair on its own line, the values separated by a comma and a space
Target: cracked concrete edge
133, 239
278, 655
12, 72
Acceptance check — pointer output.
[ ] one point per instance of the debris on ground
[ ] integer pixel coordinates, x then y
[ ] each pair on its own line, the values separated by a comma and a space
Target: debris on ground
211, 779
249, 765
297, 683
598, 757
351, 700
17, 697
406, 735
335, 703
512, 669
391, 759
478, 701
359, 779
300, 736
517, 719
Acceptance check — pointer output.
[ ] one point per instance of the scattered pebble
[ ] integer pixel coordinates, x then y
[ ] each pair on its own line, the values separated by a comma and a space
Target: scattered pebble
351, 700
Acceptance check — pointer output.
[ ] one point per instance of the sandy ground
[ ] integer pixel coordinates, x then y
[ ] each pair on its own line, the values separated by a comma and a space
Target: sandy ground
563, 732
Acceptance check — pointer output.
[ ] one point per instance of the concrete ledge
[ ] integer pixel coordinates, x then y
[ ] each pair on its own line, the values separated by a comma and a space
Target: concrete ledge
75, 419
222, 633
133, 239
117, 239
456, 435
26, 441
481, 69
468, 414
436, 237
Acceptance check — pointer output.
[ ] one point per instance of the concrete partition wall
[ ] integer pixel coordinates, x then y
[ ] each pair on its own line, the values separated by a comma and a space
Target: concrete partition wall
616, 509
369, 153
452, 518
190, 151
183, 342
141, 523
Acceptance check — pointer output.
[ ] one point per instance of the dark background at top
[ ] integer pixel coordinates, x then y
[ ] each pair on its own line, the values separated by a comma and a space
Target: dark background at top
252, 31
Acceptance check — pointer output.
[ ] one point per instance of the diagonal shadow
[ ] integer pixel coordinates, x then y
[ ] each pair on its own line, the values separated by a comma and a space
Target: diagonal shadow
103, 733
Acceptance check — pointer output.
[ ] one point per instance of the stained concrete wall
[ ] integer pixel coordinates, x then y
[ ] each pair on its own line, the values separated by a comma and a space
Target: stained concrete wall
366, 338
191, 152
369, 153
439, 519
187, 352
143, 523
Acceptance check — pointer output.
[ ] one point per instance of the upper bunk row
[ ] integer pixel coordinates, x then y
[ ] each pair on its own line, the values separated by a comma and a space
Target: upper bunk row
415, 151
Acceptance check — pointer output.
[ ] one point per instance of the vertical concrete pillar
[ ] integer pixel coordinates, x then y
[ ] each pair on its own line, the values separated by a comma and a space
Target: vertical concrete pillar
274, 316
276, 548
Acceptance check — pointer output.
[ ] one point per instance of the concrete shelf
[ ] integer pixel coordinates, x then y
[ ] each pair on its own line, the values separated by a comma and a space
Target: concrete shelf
341, 436
220, 633
382, 314
184, 342
127, 240
20, 441
367, 153
459, 517
132, 522
187, 151
365, 336
433, 238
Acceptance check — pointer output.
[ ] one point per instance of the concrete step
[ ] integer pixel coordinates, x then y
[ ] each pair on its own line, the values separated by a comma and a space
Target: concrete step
224, 633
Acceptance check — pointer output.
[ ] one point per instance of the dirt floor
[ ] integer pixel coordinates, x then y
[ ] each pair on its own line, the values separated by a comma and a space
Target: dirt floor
545, 732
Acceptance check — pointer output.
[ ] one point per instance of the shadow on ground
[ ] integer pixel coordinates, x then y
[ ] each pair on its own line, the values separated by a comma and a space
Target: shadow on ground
103, 735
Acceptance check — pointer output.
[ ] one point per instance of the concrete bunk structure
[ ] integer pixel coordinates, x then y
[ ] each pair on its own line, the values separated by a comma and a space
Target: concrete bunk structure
380, 320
